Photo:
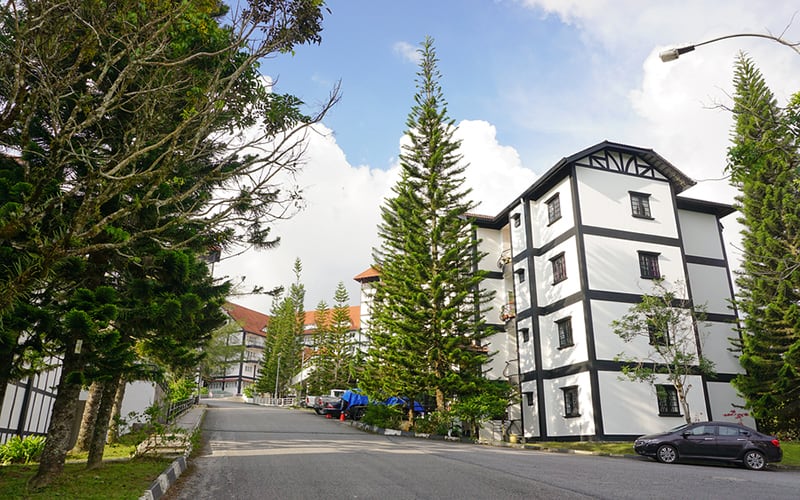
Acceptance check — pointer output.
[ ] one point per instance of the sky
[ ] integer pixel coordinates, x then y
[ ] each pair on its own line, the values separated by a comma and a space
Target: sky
527, 82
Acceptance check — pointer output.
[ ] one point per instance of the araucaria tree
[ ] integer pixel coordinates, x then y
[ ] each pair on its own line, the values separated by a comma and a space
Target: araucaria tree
128, 129
671, 331
427, 326
764, 163
335, 348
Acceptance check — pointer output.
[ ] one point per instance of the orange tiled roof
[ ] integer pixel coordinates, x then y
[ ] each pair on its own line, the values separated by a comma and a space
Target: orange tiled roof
256, 322
368, 275
251, 321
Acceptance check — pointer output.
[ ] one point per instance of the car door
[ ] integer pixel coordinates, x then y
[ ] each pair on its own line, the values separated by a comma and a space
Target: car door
731, 441
698, 441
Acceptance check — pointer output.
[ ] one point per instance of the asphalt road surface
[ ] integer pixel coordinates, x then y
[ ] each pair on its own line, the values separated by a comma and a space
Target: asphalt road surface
253, 452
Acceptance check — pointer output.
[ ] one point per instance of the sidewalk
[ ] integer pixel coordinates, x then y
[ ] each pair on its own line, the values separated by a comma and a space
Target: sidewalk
178, 443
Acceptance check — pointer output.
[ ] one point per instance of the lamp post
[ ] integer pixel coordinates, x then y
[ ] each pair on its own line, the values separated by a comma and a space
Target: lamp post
674, 53
277, 375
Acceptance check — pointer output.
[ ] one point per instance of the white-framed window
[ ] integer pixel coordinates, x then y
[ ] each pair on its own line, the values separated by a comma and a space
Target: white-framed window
640, 205
553, 209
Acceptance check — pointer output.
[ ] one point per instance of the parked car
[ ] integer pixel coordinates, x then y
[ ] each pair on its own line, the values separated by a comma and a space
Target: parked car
717, 441
328, 405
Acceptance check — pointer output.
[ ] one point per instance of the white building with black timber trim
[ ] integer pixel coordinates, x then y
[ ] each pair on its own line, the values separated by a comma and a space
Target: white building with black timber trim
574, 252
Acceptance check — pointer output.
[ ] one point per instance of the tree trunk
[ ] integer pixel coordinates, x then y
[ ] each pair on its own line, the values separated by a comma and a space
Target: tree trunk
51, 463
98, 443
113, 422
89, 417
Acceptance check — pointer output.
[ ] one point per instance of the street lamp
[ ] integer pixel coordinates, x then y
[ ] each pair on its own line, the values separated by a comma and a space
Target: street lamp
277, 375
672, 54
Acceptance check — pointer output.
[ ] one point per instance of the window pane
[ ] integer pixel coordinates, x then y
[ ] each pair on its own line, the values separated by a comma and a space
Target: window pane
565, 332
648, 265
559, 269
554, 209
640, 205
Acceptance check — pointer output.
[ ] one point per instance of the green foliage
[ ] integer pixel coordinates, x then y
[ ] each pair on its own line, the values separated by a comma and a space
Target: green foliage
427, 316
384, 416
19, 450
664, 323
490, 402
764, 163
181, 389
435, 422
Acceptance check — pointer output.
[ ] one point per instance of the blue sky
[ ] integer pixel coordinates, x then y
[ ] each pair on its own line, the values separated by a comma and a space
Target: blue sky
527, 82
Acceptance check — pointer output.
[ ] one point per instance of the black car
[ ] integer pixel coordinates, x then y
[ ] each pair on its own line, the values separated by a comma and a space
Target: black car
723, 441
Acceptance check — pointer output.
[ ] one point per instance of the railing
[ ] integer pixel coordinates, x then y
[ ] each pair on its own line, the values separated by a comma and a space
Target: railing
177, 408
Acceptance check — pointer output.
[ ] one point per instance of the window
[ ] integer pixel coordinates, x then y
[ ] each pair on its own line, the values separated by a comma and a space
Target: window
559, 268
516, 218
564, 332
553, 209
648, 265
640, 205
526, 334
529, 398
668, 405
571, 401
520, 275
658, 334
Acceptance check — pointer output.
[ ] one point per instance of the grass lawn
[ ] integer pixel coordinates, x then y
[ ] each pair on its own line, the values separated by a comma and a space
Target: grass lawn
123, 479
791, 449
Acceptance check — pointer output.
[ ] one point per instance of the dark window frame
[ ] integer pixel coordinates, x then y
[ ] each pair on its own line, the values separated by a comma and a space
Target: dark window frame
668, 403
656, 336
648, 265
640, 205
529, 398
517, 219
564, 328
559, 265
553, 208
526, 334
571, 406
520, 272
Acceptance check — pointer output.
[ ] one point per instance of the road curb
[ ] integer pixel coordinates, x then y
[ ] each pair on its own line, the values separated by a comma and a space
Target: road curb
167, 478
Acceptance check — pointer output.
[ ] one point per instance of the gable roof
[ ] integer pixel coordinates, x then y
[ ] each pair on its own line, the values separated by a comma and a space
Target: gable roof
370, 274
604, 155
250, 320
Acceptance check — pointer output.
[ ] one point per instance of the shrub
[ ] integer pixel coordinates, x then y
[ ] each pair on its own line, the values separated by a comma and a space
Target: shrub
434, 423
387, 417
21, 451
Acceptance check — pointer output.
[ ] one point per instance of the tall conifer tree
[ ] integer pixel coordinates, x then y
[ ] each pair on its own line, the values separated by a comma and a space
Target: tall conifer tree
764, 164
426, 322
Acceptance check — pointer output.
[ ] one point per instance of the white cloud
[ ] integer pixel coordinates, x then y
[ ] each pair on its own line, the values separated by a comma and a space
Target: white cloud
407, 52
335, 234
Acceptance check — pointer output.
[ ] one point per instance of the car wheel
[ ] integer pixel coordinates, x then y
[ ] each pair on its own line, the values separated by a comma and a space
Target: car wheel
754, 460
667, 454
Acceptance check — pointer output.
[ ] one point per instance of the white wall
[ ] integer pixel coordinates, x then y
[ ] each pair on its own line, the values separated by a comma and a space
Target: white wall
700, 233
530, 414
139, 396
552, 356
710, 287
557, 424
613, 264
605, 202
544, 231
715, 343
632, 407
547, 292
726, 405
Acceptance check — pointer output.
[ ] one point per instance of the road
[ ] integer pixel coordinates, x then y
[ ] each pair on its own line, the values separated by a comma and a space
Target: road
253, 452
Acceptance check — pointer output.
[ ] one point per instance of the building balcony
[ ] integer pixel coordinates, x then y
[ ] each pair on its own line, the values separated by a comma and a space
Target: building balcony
508, 311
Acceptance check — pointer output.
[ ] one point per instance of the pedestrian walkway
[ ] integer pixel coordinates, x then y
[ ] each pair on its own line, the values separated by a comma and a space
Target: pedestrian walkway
177, 442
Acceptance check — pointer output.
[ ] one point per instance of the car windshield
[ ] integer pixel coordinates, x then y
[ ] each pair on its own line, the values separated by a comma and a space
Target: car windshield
676, 429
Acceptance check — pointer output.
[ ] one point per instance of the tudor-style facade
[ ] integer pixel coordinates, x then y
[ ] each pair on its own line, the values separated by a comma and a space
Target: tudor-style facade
572, 254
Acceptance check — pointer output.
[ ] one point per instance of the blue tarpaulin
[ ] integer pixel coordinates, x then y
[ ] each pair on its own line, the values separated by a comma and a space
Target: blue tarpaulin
353, 398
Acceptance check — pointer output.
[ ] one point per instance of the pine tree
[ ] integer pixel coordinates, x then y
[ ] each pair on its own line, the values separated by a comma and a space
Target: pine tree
320, 359
340, 345
764, 164
427, 324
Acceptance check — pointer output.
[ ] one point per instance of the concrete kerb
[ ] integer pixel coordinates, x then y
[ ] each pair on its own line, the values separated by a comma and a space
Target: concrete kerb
190, 421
